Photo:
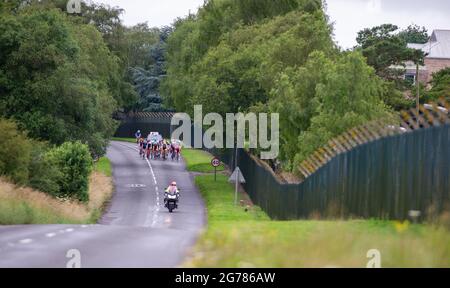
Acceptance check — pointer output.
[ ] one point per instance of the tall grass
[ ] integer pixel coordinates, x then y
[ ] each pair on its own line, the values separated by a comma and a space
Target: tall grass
21, 205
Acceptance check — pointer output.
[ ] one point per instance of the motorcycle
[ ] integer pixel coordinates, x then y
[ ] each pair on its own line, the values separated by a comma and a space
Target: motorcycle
172, 202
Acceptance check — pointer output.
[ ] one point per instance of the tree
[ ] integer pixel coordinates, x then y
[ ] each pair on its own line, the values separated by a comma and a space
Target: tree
57, 77
349, 96
147, 81
414, 34
385, 49
140, 39
440, 86
238, 69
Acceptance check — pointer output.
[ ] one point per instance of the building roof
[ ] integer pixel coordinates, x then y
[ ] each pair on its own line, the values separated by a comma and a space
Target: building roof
437, 47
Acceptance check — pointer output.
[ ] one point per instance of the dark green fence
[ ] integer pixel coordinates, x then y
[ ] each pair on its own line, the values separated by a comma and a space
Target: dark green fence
386, 179
146, 122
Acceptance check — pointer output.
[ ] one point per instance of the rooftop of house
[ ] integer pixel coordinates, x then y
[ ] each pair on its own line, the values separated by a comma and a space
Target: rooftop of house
437, 47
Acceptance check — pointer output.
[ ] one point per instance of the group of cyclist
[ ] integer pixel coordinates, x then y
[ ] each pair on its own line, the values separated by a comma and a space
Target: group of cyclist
155, 147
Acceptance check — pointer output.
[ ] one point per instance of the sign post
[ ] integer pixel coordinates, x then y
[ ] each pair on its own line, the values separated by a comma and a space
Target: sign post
237, 178
215, 162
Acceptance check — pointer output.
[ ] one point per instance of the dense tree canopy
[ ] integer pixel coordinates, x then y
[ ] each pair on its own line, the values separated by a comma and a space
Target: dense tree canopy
385, 48
440, 86
62, 76
414, 34
147, 76
228, 55
272, 56
57, 77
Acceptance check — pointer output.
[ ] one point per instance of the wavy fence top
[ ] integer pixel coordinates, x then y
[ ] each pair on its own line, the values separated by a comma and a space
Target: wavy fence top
429, 115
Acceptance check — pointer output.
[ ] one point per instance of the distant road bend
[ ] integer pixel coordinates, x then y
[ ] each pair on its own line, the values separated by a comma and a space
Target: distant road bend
136, 230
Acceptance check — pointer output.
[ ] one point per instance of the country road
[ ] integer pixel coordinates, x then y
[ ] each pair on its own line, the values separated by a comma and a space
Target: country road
136, 230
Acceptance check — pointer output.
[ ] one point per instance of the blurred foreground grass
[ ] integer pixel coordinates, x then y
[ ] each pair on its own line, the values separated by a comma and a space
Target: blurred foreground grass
236, 238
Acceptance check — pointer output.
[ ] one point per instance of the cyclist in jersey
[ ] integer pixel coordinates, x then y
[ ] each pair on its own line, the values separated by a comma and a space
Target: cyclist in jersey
141, 143
149, 149
138, 136
144, 148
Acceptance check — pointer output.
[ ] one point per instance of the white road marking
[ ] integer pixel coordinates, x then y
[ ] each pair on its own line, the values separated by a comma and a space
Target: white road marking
50, 235
70, 230
26, 241
84, 226
151, 211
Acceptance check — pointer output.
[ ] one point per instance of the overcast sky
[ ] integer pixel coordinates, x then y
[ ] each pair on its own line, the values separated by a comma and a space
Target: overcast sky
349, 16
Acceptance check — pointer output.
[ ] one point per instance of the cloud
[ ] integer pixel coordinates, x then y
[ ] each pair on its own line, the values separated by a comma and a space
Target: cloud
155, 12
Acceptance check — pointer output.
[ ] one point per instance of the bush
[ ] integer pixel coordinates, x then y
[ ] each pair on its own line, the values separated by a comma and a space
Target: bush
74, 162
14, 152
43, 176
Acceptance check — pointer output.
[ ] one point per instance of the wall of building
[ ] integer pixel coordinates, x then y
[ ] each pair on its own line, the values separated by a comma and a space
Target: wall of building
434, 65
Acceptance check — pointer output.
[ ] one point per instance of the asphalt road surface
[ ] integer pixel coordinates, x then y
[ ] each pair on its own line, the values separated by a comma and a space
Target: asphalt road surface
136, 230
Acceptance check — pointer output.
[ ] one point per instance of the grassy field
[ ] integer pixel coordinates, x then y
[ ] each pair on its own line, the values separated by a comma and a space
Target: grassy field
130, 140
199, 161
22, 205
245, 237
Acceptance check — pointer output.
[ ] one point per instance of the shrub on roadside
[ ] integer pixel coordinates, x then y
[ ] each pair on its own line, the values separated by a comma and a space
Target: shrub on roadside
74, 162
43, 175
14, 152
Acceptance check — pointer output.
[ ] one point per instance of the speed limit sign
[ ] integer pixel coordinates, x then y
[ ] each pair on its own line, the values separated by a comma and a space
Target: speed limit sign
215, 162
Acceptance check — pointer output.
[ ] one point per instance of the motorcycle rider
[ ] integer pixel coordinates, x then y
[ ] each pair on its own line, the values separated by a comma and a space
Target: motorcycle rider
172, 189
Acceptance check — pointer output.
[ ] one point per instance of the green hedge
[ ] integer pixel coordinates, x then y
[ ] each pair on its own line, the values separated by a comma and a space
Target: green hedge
61, 171
75, 164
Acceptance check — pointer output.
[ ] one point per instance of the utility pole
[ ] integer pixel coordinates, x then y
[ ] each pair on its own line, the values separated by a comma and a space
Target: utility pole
236, 188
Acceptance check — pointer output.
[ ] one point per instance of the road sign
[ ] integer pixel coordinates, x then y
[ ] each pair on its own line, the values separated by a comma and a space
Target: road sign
237, 176
215, 162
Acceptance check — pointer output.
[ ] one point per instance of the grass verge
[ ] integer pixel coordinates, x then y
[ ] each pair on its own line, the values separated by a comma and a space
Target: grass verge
236, 238
130, 140
199, 161
22, 205
103, 166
